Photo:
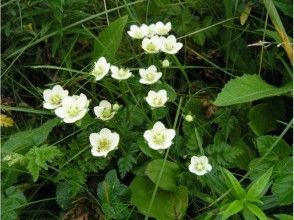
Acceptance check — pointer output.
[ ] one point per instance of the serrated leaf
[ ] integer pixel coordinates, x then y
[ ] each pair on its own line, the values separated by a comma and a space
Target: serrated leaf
109, 39
257, 190
248, 88
20, 141
281, 150
166, 205
169, 176
126, 164
38, 157
233, 183
232, 209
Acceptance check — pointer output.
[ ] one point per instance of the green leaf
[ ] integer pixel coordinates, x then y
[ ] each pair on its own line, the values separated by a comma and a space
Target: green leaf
125, 164
112, 195
166, 206
20, 141
262, 119
109, 39
234, 184
258, 188
146, 149
232, 209
169, 176
38, 157
284, 217
10, 202
256, 167
282, 189
248, 88
256, 211
280, 151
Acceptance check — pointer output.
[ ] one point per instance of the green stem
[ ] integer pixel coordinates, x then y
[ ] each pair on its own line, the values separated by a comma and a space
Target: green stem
164, 161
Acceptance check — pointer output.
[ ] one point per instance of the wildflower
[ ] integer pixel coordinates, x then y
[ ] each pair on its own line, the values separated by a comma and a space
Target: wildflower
138, 32
120, 74
157, 99
104, 110
103, 142
159, 137
170, 45
151, 30
101, 68
162, 29
165, 63
73, 108
199, 165
53, 97
152, 45
189, 118
5, 121
150, 75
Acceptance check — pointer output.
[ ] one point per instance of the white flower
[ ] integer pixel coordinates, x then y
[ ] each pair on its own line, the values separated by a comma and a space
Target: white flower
73, 108
151, 30
152, 45
103, 142
53, 97
101, 68
120, 74
162, 29
199, 165
104, 110
170, 45
138, 32
150, 75
159, 137
157, 99
165, 63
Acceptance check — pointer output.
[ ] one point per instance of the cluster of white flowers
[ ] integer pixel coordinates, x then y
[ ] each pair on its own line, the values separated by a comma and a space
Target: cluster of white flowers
153, 38
73, 108
69, 108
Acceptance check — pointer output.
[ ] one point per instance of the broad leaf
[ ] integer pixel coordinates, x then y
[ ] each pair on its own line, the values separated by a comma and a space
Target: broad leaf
20, 141
232, 209
166, 205
109, 39
256, 211
234, 184
258, 188
248, 88
169, 176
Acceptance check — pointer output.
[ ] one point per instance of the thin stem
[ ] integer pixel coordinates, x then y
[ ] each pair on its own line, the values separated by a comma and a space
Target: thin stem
164, 161
262, 47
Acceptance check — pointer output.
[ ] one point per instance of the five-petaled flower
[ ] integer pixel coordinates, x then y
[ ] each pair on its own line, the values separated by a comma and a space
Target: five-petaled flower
73, 108
138, 32
101, 68
170, 45
152, 45
162, 29
53, 97
120, 74
199, 165
103, 142
157, 99
149, 75
104, 111
159, 137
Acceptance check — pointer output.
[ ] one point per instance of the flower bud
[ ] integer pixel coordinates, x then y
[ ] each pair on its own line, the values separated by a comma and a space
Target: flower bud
189, 118
116, 107
165, 63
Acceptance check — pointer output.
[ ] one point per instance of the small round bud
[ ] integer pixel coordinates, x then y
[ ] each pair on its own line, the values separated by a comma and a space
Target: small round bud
116, 107
165, 63
189, 118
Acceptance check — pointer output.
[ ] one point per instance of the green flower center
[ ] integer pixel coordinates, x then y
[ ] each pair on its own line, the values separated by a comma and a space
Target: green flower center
122, 72
55, 100
157, 101
73, 111
103, 144
159, 138
106, 113
151, 47
199, 166
169, 46
149, 76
